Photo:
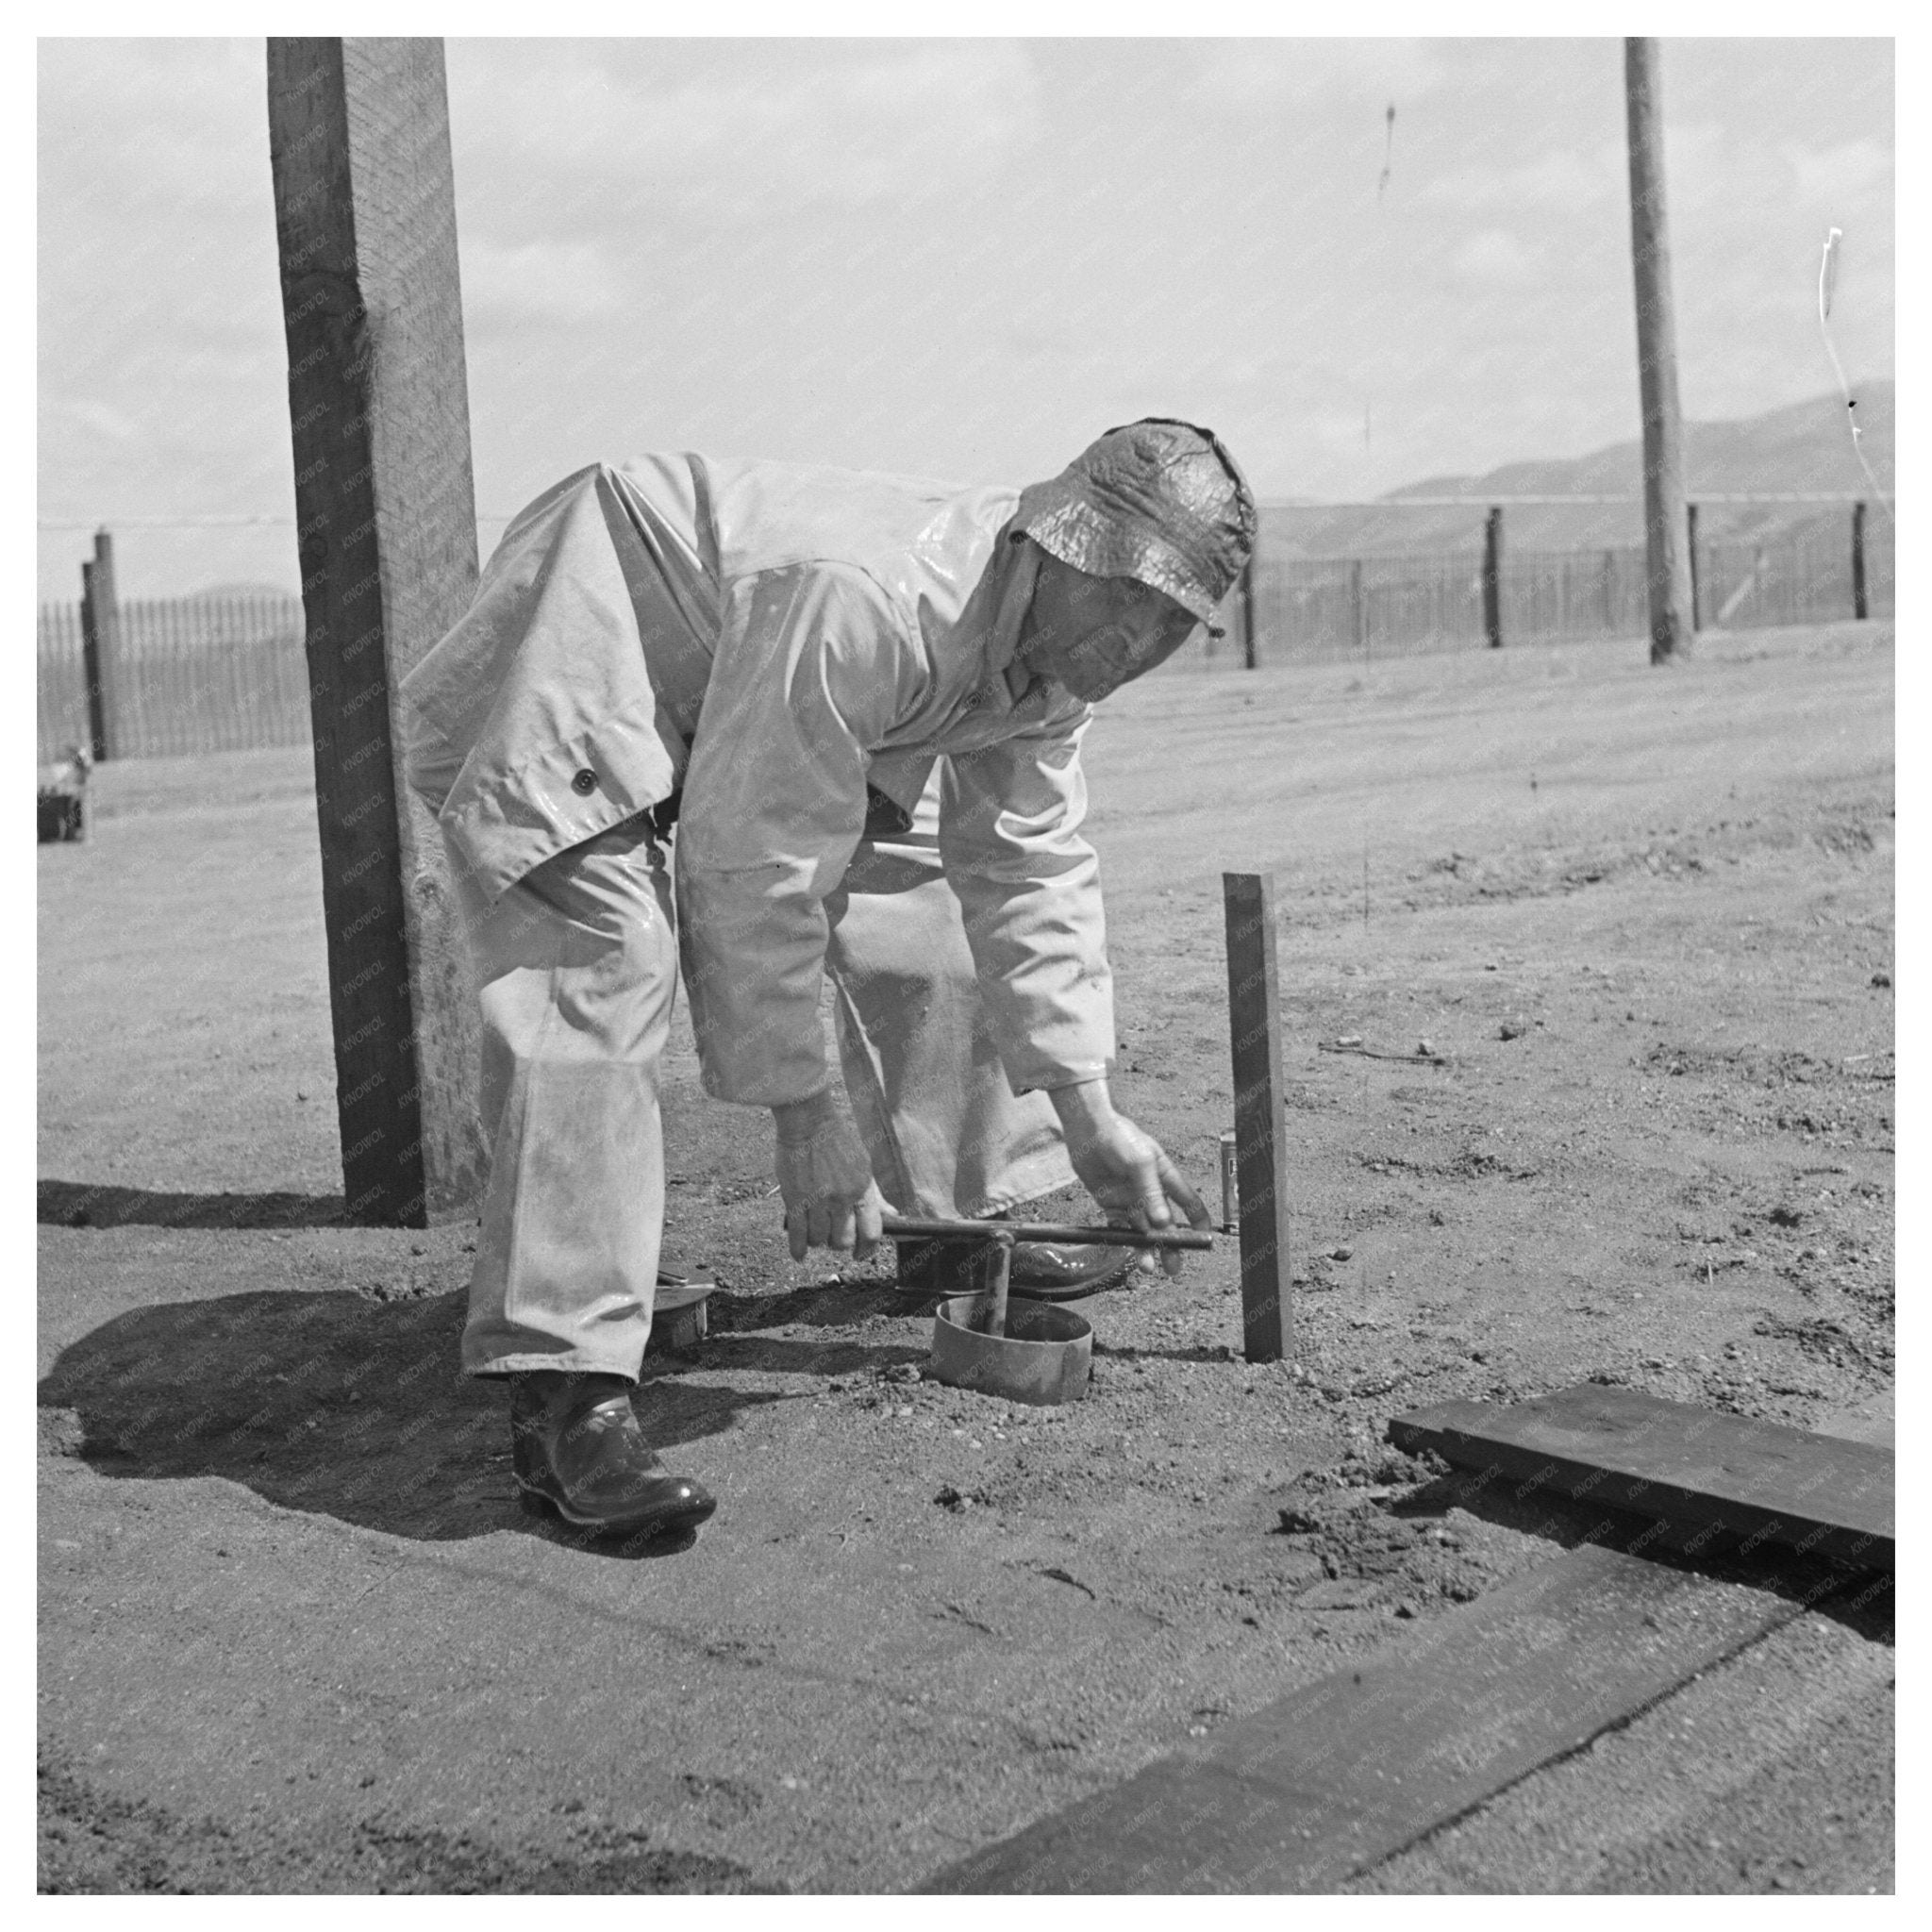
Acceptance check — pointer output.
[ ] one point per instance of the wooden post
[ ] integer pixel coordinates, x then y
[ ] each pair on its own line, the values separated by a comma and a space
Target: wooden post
90, 665
1860, 610
1492, 576
1667, 567
1251, 655
100, 649
1691, 554
365, 216
1359, 608
1610, 591
1254, 1018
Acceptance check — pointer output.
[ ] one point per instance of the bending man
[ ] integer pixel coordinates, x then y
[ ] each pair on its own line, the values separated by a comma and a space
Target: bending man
862, 700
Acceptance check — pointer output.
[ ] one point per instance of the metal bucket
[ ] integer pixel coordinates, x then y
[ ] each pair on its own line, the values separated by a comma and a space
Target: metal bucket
1044, 1357
678, 1315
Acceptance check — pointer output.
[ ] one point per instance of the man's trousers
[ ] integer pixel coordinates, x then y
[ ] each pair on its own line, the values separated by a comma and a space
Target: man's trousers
577, 971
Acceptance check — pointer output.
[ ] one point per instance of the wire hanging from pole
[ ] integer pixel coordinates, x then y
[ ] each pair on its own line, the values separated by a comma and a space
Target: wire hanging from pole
1827, 286
1381, 184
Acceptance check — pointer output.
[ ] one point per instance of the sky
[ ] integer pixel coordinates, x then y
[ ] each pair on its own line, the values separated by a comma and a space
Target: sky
961, 258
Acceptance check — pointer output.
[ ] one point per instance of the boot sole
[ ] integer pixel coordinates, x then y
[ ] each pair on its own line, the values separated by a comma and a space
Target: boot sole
957, 1274
541, 1503
1030, 1292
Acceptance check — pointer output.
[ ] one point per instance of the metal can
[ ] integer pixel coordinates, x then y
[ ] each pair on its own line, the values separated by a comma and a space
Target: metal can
1230, 1187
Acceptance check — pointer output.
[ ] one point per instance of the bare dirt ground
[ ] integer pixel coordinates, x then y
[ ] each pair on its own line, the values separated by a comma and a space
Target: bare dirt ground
296, 1636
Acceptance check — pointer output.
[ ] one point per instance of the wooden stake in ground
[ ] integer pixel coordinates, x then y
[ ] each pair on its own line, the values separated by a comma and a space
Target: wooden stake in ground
1691, 553
1492, 577
1664, 530
1253, 1019
100, 648
365, 215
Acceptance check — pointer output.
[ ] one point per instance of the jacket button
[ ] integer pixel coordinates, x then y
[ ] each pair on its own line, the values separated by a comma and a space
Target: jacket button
584, 783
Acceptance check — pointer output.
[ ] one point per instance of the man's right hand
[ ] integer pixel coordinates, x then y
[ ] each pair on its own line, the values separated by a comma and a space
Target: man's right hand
1125, 1170
824, 1174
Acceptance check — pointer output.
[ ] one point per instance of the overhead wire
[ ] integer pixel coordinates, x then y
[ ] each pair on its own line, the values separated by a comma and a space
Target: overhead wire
203, 523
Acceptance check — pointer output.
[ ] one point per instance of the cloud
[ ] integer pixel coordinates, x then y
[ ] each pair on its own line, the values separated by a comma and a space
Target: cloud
1255, 73
1561, 181
539, 281
167, 119
1708, 167
1701, 160
788, 125
102, 418
1493, 257
964, 257
1829, 175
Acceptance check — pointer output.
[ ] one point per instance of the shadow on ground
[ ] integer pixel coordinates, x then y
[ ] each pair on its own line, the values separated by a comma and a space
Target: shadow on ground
336, 1403
90, 1204
1862, 1600
96, 1840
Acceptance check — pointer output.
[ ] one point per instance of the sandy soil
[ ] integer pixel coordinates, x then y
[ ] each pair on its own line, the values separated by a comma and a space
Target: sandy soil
295, 1634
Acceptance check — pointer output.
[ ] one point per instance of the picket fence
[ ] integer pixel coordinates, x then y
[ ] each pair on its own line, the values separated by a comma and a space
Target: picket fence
227, 673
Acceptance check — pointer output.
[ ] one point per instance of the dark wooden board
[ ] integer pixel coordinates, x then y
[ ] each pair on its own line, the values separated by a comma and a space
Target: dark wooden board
1254, 1023
1747, 1483
1342, 1773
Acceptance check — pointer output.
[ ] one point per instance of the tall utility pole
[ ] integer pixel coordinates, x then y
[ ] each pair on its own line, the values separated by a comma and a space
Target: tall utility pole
1664, 534
365, 216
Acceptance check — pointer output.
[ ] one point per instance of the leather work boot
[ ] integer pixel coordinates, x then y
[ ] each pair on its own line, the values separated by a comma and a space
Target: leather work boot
1041, 1272
575, 1446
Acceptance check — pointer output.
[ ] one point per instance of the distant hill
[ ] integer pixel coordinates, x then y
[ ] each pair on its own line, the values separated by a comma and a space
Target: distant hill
1805, 446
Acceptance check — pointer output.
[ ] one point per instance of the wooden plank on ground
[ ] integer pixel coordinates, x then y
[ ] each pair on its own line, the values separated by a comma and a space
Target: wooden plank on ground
1342, 1773
1723, 1475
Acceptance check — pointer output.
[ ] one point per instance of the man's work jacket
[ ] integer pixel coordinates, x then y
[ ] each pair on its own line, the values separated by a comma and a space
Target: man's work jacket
770, 639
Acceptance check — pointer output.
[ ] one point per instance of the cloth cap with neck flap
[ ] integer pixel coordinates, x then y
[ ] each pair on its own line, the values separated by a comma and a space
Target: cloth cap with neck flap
1158, 500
